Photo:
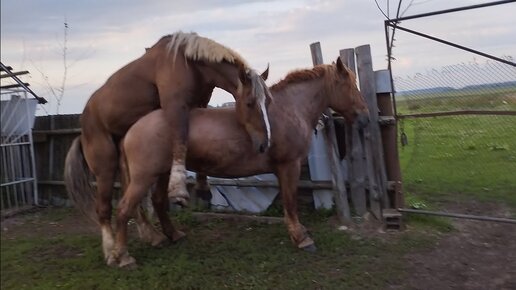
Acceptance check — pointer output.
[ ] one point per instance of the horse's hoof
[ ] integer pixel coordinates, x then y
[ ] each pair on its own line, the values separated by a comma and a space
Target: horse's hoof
127, 262
310, 248
111, 261
307, 244
204, 194
160, 242
178, 236
183, 202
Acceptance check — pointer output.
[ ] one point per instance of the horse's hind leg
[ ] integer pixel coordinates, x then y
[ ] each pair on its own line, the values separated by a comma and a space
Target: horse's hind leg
288, 176
126, 209
145, 229
101, 155
161, 206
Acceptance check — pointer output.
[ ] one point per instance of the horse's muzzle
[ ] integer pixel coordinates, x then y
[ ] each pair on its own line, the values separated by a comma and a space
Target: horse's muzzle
362, 120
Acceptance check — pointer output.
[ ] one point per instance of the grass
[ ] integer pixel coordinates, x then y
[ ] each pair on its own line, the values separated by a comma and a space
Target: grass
460, 157
216, 255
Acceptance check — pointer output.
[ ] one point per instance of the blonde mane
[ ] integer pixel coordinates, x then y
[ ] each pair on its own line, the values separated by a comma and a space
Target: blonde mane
196, 47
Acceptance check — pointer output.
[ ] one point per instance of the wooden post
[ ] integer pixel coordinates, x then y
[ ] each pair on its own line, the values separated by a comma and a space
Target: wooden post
374, 149
355, 151
341, 196
389, 129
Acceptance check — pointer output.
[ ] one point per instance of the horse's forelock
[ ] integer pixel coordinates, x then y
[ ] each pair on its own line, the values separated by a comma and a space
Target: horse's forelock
196, 47
261, 91
258, 85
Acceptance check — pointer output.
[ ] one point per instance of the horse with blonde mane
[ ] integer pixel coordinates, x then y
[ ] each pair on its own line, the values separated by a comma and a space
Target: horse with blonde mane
176, 74
220, 147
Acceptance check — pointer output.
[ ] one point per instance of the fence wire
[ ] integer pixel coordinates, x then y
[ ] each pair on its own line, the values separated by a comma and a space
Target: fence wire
473, 149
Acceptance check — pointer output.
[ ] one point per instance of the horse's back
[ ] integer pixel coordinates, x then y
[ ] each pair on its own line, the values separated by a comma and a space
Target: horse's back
126, 96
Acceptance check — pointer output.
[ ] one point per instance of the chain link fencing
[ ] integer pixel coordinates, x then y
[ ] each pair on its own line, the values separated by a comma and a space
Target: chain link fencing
457, 130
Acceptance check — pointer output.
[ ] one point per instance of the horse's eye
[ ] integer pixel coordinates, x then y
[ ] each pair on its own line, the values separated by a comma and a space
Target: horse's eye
250, 104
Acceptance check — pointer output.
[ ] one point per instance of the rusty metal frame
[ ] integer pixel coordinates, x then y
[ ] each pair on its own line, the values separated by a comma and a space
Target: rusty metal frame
394, 24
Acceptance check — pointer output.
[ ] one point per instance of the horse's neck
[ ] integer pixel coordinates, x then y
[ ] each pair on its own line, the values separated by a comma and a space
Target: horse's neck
222, 75
304, 99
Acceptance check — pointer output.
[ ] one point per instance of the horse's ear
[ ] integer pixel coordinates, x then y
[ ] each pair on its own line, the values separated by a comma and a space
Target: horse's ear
265, 74
340, 66
243, 75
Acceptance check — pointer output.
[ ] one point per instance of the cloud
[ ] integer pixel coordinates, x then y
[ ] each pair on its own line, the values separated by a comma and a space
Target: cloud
105, 35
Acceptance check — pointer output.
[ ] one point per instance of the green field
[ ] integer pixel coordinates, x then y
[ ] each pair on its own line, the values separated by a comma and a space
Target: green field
458, 157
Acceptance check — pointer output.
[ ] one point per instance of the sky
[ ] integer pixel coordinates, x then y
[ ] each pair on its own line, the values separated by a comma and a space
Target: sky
104, 35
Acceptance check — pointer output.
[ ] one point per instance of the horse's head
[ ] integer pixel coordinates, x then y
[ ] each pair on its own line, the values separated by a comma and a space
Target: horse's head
251, 109
344, 96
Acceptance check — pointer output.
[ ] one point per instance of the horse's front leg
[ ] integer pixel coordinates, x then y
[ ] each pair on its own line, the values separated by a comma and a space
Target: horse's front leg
178, 121
288, 176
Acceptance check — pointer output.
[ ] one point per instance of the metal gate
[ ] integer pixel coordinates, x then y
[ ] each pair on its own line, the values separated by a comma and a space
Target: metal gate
456, 122
18, 187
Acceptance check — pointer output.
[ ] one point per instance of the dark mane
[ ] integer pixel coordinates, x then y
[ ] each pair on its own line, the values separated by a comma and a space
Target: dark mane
301, 76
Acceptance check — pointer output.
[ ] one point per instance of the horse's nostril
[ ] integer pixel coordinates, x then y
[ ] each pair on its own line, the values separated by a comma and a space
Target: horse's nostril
363, 120
262, 148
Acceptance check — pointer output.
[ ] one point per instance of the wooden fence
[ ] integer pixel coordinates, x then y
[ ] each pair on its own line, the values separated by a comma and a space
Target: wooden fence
373, 181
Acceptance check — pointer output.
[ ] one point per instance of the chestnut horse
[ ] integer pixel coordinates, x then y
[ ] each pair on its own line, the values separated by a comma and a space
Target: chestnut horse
177, 73
219, 146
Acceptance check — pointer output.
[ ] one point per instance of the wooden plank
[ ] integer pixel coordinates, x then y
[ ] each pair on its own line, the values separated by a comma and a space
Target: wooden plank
356, 159
204, 216
306, 184
347, 56
341, 195
374, 149
390, 143
71, 131
386, 120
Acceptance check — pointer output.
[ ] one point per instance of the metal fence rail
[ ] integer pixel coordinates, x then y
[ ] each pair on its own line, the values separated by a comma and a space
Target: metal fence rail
18, 186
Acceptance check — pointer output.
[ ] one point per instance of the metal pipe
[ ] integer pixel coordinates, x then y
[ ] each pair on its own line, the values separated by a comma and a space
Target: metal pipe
458, 215
452, 44
6, 69
463, 8
458, 113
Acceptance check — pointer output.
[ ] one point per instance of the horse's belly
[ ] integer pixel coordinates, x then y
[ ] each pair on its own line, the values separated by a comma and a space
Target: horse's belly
229, 158
235, 169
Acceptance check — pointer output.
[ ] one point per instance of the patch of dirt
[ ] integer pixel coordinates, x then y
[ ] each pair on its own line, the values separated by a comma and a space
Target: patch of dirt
477, 255
40, 254
36, 223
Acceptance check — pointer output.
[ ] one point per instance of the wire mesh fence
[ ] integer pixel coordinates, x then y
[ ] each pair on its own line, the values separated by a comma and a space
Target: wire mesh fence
457, 129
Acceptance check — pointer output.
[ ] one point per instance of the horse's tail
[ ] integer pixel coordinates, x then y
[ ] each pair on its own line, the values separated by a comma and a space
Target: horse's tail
77, 180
